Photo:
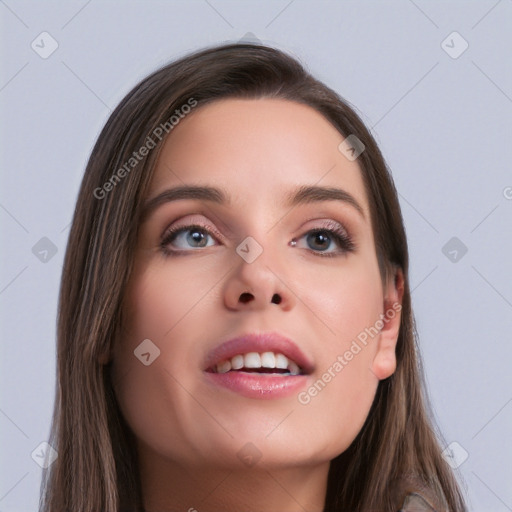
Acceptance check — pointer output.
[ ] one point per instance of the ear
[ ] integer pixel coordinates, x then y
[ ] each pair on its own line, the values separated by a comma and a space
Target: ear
384, 363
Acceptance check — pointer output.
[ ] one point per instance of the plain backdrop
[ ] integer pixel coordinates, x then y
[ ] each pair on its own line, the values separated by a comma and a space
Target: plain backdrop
432, 80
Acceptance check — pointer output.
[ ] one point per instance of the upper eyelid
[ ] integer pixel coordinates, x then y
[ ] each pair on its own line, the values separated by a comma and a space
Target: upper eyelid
206, 224
189, 225
345, 217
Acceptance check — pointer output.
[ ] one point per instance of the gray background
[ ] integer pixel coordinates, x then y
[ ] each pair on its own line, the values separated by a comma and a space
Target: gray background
443, 124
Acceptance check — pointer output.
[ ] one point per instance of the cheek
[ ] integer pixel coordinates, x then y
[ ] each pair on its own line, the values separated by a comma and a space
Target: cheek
342, 300
170, 308
160, 298
347, 304
339, 398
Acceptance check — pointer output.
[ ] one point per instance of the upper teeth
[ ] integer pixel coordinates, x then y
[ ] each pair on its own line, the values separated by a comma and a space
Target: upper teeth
256, 360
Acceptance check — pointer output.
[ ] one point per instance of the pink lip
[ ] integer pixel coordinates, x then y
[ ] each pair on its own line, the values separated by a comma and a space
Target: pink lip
255, 385
251, 385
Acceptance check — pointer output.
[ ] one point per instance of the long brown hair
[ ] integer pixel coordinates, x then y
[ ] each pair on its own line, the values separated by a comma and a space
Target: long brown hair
398, 449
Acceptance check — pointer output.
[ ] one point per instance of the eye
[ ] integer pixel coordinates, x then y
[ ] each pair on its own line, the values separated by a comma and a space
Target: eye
186, 238
331, 240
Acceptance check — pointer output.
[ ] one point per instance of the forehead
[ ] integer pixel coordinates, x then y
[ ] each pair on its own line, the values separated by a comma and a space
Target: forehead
257, 149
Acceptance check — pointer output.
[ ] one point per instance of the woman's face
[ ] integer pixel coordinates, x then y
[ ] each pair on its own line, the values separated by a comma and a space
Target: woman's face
270, 254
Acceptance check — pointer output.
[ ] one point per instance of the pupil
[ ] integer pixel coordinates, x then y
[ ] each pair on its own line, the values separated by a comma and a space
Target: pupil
196, 236
323, 240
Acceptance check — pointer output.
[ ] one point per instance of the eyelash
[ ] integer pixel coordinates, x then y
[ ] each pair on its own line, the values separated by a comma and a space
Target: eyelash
336, 234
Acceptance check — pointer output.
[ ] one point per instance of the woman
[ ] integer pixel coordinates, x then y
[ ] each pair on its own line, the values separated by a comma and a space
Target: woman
235, 328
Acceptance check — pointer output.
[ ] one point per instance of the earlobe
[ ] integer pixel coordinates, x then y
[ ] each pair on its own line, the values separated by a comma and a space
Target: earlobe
384, 363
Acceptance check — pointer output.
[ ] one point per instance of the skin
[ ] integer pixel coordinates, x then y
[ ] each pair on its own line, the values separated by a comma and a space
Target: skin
188, 431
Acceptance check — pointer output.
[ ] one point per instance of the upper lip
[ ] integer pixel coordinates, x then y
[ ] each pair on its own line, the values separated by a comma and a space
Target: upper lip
259, 342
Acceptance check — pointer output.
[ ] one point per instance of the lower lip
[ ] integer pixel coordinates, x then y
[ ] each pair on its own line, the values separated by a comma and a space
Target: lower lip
254, 385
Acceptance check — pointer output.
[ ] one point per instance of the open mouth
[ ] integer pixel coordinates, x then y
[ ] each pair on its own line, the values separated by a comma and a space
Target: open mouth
273, 363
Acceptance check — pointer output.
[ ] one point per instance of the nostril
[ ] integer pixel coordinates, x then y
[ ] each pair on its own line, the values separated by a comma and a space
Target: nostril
276, 299
245, 297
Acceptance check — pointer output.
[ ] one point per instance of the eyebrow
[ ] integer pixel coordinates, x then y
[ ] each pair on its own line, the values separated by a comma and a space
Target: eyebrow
302, 195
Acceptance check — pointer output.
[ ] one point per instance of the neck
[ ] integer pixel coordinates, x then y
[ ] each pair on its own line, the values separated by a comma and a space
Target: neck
169, 487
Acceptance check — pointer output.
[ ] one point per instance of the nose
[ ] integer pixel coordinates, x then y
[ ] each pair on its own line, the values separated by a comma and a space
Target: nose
256, 285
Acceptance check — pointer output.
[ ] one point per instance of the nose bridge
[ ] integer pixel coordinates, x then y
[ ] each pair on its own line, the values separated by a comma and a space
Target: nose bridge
261, 243
260, 261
